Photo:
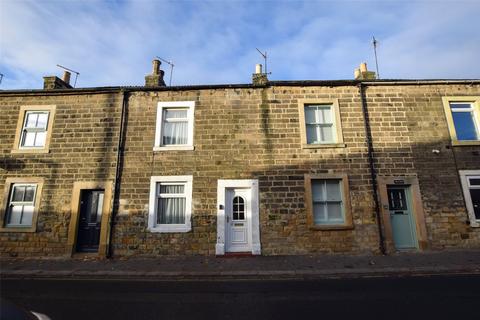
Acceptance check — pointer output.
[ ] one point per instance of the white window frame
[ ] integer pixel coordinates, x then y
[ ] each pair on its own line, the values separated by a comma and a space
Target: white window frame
465, 176
152, 208
190, 106
36, 130
20, 203
18, 146
474, 102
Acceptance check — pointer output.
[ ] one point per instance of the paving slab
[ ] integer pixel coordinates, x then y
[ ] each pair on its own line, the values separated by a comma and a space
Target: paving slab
210, 267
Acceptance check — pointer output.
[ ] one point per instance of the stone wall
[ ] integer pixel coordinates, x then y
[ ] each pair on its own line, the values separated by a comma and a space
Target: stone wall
245, 134
82, 148
242, 133
408, 123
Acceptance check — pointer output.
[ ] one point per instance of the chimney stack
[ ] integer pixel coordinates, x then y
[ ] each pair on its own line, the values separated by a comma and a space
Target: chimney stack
362, 73
156, 78
54, 82
259, 78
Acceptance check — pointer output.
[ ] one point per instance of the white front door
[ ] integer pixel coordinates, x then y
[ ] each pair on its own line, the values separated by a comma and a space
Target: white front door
238, 215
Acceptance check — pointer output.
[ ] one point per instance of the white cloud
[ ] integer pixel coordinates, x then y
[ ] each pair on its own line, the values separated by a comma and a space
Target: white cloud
112, 43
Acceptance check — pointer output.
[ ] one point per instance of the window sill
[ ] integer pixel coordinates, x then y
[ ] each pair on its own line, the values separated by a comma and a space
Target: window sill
331, 227
173, 148
466, 143
323, 145
28, 150
170, 229
18, 229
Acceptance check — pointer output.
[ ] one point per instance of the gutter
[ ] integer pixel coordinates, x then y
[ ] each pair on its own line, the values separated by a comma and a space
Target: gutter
118, 169
289, 83
373, 174
419, 82
77, 91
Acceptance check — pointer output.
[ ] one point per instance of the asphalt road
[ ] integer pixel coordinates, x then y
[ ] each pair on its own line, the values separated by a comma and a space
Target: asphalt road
441, 297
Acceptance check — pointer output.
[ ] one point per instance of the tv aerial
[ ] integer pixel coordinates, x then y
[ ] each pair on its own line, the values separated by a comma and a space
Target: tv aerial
264, 55
170, 63
76, 73
375, 43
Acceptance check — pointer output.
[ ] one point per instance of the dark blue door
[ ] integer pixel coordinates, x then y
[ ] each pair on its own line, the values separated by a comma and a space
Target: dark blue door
89, 226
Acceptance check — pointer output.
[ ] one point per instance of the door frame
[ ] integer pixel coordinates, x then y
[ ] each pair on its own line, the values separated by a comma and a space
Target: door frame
222, 186
78, 186
411, 182
411, 219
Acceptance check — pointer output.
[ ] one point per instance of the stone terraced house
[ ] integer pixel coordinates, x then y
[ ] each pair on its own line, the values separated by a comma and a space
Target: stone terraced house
271, 168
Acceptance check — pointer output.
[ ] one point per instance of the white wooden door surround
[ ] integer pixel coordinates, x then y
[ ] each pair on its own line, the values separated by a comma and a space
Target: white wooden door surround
238, 228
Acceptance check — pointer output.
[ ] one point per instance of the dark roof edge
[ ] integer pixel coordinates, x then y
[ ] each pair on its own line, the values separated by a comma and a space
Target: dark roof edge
292, 83
124, 88
380, 82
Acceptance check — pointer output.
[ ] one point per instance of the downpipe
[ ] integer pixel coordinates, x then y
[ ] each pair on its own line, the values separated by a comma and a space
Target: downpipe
118, 171
373, 174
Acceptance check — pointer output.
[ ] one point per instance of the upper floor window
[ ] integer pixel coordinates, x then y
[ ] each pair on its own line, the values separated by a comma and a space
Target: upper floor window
174, 128
22, 199
34, 129
463, 119
320, 124
170, 204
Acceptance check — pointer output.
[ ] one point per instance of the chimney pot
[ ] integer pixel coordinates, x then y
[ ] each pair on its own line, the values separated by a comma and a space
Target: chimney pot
357, 74
258, 68
363, 67
156, 66
66, 77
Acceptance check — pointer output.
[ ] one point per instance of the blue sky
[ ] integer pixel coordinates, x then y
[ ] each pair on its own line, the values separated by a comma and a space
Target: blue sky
213, 42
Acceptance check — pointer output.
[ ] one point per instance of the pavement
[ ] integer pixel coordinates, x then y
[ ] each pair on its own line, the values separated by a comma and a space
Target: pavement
246, 267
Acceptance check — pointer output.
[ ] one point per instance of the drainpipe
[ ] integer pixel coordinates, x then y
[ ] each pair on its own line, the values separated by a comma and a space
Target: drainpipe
118, 170
368, 134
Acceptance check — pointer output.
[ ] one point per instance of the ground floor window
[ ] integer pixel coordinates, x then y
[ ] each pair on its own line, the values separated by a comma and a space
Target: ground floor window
471, 191
21, 205
170, 204
21, 202
328, 201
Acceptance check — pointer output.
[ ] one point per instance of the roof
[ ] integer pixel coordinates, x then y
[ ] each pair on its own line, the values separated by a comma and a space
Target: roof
290, 83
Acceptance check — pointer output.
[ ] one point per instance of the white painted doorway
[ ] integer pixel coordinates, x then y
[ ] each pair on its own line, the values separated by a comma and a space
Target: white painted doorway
238, 227
238, 213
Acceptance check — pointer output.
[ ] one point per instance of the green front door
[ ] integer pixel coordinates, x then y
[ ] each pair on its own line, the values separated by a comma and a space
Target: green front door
401, 217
